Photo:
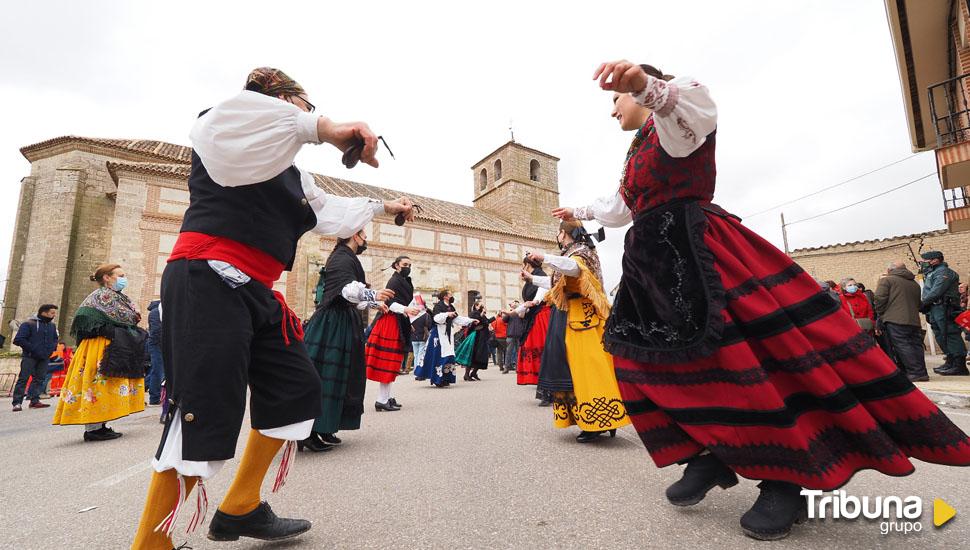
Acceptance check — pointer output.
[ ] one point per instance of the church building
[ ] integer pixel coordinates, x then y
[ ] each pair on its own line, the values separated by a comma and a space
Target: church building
89, 201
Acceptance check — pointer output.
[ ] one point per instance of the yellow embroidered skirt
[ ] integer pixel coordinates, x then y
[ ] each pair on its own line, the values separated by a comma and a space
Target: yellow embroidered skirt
596, 404
88, 398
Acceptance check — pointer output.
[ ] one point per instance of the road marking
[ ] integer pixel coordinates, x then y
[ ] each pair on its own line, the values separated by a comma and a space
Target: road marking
122, 475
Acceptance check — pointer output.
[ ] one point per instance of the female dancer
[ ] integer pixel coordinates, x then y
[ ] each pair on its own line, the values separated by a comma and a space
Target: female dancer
576, 371
730, 358
472, 353
535, 313
439, 357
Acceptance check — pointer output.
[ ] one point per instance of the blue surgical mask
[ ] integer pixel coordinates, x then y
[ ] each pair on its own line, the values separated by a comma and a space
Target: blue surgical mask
851, 289
120, 284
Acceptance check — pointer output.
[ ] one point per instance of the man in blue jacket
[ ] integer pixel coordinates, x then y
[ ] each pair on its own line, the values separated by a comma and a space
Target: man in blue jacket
153, 381
37, 337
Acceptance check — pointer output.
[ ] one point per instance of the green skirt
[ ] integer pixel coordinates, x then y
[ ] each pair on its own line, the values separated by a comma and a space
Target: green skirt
334, 340
466, 350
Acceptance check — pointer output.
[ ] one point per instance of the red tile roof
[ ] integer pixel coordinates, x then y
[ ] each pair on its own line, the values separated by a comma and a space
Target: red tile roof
151, 148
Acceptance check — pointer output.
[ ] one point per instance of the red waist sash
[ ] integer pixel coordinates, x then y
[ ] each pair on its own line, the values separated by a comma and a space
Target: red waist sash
253, 262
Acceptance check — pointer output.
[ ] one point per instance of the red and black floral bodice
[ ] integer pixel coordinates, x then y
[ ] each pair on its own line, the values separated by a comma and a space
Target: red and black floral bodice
652, 177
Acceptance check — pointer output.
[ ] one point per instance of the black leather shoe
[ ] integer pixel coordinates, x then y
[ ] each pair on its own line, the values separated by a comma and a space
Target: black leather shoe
330, 439
101, 434
385, 407
587, 437
779, 506
260, 524
313, 444
393, 402
700, 476
545, 403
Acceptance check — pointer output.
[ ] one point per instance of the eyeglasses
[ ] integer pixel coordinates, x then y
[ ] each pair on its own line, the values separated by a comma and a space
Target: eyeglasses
352, 154
311, 106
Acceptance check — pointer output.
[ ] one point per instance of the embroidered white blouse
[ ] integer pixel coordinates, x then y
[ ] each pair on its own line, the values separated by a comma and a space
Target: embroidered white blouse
683, 114
357, 292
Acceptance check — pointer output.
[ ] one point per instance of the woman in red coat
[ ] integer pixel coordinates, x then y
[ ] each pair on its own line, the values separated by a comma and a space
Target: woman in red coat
856, 304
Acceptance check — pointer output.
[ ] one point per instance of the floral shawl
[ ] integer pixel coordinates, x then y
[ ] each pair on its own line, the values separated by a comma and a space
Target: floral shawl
590, 281
100, 311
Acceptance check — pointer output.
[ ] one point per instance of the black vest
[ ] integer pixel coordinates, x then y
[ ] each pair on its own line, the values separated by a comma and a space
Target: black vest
270, 216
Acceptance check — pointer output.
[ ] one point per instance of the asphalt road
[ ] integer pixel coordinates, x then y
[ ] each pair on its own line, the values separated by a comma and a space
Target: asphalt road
477, 465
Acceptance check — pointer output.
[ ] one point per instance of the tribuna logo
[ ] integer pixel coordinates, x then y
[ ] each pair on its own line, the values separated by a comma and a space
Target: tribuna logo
903, 513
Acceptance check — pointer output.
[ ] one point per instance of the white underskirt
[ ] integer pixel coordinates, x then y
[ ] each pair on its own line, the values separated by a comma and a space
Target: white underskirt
171, 455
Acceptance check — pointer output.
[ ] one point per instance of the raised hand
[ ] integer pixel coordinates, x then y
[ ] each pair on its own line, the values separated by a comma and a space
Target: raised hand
384, 294
537, 257
621, 76
344, 135
402, 205
525, 276
564, 213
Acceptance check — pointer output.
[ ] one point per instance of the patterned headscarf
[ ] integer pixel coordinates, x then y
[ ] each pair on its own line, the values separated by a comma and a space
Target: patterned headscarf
589, 256
272, 82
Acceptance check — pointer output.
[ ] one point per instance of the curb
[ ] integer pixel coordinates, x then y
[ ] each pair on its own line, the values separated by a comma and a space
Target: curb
955, 400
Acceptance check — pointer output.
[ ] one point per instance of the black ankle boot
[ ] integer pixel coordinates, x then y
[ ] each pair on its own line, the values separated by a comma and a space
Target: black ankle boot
779, 506
954, 366
260, 524
700, 476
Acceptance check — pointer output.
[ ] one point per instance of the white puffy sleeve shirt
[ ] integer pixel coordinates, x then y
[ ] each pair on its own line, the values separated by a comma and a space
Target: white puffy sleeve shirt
683, 115
251, 138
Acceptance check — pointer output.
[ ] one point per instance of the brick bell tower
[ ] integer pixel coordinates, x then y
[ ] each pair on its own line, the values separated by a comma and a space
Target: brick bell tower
521, 186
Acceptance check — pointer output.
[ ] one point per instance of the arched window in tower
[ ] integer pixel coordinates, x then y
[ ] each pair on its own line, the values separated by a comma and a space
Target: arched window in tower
498, 169
534, 170
482, 180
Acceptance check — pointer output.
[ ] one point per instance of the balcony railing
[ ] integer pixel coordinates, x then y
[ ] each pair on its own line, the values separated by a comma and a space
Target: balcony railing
950, 108
955, 198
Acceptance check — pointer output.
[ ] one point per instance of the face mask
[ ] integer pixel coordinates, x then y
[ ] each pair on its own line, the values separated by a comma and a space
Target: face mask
405, 271
361, 248
120, 284
851, 289
451, 300
924, 267
561, 245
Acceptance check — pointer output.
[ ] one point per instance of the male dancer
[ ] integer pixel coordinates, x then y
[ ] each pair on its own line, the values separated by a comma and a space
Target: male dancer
248, 207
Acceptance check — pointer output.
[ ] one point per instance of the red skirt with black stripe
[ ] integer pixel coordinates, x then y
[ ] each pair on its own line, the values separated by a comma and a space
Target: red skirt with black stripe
796, 391
530, 352
384, 352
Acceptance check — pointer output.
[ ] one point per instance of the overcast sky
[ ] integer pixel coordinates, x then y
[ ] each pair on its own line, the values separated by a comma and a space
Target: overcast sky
807, 92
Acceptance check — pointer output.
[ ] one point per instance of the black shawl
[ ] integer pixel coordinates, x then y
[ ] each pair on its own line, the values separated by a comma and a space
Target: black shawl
403, 289
403, 294
529, 290
442, 307
342, 267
